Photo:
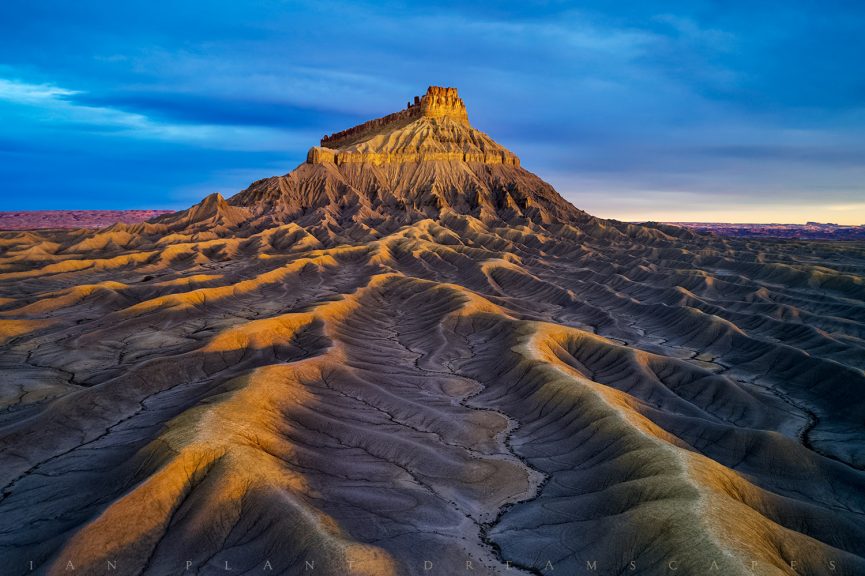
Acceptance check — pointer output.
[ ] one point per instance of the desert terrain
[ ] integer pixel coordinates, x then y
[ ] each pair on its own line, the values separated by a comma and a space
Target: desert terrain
410, 355
807, 231
46, 219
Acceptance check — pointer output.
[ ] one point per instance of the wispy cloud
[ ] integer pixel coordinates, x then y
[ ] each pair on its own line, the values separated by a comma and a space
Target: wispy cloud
58, 106
32, 94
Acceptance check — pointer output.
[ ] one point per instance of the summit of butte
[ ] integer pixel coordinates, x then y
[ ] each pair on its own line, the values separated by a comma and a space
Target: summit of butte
434, 126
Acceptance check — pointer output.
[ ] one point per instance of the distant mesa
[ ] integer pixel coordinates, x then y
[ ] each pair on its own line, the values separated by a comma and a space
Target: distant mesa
807, 231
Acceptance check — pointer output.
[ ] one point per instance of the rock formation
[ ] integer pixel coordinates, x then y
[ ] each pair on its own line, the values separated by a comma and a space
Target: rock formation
435, 127
411, 356
438, 102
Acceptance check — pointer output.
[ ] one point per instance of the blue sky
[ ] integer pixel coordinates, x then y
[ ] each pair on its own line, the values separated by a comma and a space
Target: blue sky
697, 110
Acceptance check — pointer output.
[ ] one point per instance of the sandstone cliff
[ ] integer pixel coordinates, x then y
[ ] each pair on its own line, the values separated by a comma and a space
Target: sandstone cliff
435, 127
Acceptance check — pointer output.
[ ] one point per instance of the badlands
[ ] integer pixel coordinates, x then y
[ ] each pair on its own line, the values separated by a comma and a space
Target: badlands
410, 355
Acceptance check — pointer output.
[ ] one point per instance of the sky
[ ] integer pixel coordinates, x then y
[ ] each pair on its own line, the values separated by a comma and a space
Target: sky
725, 111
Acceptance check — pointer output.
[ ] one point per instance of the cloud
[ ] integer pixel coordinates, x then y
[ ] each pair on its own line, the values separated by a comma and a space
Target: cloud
218, 110
32, 94
58, 106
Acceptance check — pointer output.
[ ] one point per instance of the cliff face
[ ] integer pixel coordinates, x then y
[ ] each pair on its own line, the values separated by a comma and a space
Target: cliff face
438, 102
441, 102
435, 127
422, 140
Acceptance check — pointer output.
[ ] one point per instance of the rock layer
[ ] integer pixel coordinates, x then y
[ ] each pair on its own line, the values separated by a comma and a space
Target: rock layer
433, 128
438, 102
370, 366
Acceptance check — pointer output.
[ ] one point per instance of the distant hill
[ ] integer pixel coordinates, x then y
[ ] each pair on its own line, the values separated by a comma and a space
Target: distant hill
809, 231
42, 219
